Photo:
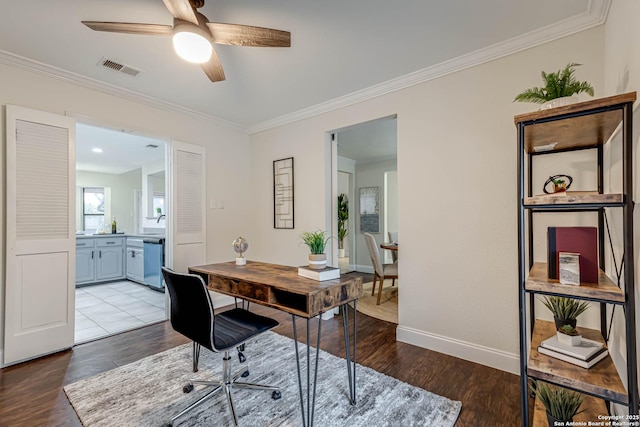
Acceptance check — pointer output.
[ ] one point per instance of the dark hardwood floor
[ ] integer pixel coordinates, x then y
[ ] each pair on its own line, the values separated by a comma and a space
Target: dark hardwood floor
31, 393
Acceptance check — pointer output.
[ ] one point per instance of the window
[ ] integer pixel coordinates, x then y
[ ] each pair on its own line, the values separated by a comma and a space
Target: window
158, 204
93, 208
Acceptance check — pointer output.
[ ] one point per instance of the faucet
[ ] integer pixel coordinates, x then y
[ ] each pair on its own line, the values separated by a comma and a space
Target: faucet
160, 217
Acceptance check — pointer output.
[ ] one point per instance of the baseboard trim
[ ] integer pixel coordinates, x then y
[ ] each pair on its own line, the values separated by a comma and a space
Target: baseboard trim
497, 359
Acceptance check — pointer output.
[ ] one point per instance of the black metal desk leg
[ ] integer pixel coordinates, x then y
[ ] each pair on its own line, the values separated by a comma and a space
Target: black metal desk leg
307, 416
351, 365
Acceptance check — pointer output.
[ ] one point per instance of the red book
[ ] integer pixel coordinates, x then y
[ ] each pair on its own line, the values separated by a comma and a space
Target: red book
582, 240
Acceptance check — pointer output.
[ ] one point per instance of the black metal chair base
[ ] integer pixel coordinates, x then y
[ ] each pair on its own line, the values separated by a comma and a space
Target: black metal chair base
228, 382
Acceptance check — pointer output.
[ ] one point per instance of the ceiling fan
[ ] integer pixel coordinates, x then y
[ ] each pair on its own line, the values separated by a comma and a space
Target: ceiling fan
194, 35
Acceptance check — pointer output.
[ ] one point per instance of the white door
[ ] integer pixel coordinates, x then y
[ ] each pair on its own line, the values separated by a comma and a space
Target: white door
40, 233
187, 221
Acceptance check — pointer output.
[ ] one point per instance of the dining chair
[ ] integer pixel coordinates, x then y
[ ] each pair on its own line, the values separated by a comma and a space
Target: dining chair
393, 238
193, 316
381, 271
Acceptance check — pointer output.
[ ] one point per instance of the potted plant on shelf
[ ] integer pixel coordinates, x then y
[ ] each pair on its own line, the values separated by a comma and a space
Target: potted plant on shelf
565, 310
569, 335
560, 404
558, 89
343, 216
316, 242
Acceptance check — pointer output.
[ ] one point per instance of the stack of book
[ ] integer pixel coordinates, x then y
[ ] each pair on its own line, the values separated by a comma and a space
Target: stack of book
327, 273
587, 354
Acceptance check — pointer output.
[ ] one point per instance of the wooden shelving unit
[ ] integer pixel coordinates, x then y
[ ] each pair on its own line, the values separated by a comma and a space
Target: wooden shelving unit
586, 125
604, 291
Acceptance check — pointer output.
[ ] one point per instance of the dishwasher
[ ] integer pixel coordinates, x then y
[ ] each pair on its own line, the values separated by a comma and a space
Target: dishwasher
153, 262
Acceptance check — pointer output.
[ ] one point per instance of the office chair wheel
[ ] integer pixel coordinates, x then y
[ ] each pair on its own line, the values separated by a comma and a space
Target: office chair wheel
241, 357
188, 388
276, 395
167, 425
245, 374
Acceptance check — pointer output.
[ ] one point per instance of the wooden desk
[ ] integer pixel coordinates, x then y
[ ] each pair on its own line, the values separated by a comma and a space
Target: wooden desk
280, 287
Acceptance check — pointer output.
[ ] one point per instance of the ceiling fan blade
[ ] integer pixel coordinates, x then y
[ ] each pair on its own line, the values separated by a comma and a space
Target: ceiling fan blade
213, 68
181, 9
130, 28
246, 35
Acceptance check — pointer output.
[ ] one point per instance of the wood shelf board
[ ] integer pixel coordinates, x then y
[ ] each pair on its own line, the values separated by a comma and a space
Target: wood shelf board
573, 198
574, 132
592, 407
604, 290
602, 379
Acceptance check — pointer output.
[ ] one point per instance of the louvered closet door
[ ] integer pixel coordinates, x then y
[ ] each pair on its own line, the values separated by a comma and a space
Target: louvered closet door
188, 199
40, 233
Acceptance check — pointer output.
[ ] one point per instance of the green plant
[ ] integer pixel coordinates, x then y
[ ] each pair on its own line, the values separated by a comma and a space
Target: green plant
569, 330
558, 181
558, 84
316, 241
560, 403
565, 308
343, 216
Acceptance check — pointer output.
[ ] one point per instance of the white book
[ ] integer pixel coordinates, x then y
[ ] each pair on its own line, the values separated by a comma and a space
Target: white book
582, 363
327, 273
584, 351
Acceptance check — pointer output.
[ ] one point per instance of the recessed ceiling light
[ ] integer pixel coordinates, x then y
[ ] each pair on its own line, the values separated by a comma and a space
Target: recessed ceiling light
97, 150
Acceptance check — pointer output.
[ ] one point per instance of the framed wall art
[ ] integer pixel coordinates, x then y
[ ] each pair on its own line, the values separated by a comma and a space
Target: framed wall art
370, 209
283, 193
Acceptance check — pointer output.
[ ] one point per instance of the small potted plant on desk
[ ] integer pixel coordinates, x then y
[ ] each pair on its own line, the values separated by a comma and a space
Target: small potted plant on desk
316, 242
565, 310
569, 335
560, 404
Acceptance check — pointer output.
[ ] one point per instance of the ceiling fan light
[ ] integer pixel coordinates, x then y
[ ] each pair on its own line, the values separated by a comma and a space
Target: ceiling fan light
192, 47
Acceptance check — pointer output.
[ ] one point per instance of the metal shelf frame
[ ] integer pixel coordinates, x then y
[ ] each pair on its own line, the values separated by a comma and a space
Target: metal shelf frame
525, 239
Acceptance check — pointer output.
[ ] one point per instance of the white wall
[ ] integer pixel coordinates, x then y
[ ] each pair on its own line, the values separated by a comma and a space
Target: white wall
459, 241
621, 75
122, 195
225, 146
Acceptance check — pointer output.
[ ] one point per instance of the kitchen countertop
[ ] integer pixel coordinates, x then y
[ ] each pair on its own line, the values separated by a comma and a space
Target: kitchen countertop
142, 236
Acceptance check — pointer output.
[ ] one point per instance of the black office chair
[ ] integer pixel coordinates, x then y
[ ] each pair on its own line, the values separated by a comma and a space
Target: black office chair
192, 315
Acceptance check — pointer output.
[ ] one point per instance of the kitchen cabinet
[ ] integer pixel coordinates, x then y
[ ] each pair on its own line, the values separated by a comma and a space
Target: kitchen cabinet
99, 259
135, 260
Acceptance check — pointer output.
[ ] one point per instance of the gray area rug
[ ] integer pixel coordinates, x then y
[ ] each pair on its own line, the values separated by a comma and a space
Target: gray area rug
148, 392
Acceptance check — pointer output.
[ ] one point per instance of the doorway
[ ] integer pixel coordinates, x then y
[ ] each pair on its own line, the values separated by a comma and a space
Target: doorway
120, 201
366, 164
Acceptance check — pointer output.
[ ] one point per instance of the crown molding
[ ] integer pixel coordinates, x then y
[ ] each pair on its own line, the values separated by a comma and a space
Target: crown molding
37, 67
595, 15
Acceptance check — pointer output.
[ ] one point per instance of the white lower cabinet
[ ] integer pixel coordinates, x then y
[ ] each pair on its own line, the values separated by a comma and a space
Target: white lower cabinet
99, 259
135, 264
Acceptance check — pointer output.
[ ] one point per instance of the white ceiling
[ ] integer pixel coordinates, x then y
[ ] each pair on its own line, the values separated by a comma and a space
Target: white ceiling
337, 48
369, 142
122, 151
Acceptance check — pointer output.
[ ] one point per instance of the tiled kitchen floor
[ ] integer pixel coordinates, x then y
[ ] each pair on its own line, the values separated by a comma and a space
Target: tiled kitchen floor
114, 307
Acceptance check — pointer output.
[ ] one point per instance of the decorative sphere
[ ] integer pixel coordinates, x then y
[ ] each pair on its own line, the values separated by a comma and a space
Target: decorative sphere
240, 245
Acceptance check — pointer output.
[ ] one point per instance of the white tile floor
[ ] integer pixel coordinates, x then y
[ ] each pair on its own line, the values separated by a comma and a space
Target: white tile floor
114, 307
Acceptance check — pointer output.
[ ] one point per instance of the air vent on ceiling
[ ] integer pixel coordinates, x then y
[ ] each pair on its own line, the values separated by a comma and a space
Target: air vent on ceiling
120, 68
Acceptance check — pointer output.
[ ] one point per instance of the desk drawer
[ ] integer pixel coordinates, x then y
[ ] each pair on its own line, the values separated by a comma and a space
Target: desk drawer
249, 291
109, 242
